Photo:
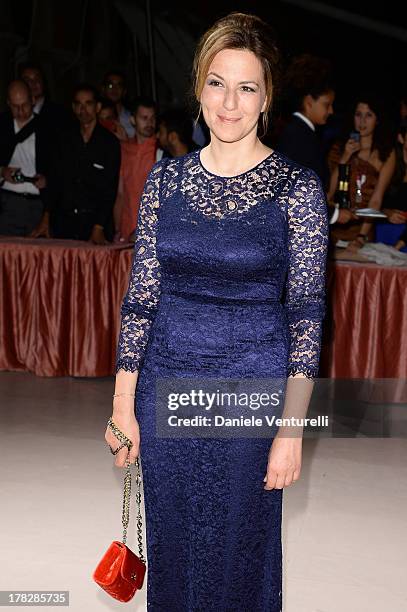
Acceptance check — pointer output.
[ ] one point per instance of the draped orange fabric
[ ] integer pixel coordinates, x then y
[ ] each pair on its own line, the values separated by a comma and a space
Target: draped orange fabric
365, 333
60, 311
137, 161
59, 305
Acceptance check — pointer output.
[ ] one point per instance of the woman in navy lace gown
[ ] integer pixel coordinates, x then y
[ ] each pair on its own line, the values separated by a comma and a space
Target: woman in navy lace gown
224, 235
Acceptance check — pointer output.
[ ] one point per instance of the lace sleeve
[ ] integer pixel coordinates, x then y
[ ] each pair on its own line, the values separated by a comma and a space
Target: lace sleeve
305, 290
141, 300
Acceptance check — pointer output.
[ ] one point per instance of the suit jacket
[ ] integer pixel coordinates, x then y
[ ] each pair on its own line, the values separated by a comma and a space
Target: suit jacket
84, 176
301, 144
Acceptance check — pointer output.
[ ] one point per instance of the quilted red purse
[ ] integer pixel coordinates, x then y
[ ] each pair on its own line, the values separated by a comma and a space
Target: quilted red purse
121, 572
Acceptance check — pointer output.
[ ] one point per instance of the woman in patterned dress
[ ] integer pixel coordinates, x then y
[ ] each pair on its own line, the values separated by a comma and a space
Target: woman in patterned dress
228, 282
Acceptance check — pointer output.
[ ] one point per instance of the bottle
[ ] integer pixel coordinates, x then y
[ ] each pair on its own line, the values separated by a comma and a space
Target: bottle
360, 181
342, 193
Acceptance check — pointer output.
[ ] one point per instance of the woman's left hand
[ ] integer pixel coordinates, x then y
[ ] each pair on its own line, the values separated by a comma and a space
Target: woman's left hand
284, 463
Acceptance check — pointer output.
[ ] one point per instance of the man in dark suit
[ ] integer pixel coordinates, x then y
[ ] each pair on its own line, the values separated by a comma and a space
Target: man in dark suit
83, 177
311, 96
24, 153
300, 142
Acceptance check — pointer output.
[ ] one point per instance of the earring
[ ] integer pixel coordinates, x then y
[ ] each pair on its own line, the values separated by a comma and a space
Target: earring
264, 120
199, 113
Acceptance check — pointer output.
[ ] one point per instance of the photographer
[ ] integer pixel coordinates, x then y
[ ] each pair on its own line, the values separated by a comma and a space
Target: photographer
24, 160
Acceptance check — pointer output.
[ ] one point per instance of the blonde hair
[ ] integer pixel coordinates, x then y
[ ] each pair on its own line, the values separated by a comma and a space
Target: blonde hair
239, 31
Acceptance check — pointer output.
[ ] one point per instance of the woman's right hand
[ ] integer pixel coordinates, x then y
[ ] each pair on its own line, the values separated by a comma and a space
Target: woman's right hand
395, 216
351, 147
128, 424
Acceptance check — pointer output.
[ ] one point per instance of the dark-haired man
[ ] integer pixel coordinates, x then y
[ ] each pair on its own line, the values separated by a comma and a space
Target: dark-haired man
144, 119
175, 132
83, 177
138, 157
310, 93
54, 115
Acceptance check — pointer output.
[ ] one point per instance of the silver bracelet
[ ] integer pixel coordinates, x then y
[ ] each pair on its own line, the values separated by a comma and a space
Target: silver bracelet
127, 394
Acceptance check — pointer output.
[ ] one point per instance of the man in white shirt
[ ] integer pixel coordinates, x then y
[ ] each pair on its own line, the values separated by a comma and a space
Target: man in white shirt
23, 155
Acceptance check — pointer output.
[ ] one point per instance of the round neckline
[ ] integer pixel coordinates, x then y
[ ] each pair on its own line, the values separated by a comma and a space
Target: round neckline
234, 176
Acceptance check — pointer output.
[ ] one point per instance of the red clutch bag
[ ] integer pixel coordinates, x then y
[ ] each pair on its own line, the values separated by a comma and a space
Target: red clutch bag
121, 572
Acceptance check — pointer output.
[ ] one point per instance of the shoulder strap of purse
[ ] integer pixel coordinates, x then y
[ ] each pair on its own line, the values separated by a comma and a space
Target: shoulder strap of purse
26, 131
126, 506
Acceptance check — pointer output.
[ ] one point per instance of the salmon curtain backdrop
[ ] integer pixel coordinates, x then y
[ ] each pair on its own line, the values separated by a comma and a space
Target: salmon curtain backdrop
60, 306
60, 311
365, 331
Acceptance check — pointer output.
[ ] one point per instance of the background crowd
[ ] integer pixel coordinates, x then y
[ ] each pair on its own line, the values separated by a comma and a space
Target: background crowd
77, 171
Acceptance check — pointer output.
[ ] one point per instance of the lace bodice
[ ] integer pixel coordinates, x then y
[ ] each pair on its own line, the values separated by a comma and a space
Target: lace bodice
207, 198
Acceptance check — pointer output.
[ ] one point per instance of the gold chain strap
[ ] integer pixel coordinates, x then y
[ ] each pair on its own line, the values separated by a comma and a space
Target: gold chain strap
127, 489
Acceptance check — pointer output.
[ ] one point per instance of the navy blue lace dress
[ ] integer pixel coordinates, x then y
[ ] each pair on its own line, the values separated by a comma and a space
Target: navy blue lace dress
213, 258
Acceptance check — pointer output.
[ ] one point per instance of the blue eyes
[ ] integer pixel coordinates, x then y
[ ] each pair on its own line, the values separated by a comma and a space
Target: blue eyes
215, 83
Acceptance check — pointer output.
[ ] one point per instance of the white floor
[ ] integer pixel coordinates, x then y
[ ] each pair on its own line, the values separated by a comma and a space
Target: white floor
344, 528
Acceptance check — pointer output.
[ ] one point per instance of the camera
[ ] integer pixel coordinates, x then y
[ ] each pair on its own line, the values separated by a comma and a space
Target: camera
19, 177
355, 136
